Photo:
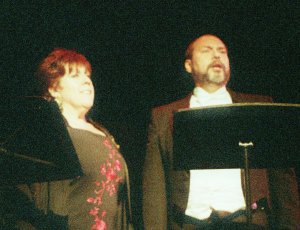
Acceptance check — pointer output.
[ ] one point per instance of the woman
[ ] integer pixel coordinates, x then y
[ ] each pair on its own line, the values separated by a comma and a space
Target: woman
100, 198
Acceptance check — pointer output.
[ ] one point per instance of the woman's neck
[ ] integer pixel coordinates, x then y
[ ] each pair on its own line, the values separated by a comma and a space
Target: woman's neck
79, 121
75, 119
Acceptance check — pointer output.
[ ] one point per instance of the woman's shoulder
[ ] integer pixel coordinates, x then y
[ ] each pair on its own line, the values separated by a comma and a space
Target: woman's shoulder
104, 130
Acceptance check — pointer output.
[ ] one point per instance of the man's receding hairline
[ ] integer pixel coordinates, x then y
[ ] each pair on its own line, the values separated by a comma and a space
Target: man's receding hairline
190, 48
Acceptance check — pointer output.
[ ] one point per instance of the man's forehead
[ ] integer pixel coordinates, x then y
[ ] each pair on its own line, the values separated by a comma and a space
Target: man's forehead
209, 41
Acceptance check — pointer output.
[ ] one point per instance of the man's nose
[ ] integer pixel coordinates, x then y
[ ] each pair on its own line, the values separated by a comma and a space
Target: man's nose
216, 54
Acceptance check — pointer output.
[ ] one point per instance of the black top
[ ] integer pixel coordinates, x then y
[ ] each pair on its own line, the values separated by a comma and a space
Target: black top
94, 199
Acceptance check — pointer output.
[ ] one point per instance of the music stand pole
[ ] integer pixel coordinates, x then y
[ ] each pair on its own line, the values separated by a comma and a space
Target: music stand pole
247, 181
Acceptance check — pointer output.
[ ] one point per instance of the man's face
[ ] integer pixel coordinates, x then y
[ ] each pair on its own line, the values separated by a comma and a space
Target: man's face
209, 63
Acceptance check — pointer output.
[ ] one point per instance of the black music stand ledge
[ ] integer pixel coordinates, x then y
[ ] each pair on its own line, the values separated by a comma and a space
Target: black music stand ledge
34, 143
218, 137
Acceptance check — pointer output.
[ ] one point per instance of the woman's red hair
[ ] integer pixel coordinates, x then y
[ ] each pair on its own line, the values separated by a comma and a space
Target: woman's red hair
53, 67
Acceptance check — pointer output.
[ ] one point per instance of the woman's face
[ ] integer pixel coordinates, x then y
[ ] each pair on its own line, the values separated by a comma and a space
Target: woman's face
74, 91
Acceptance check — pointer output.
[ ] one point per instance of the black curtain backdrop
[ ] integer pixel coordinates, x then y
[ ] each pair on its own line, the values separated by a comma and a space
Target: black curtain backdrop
136, 50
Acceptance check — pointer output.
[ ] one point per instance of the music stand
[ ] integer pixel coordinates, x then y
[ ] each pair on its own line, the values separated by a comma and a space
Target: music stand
211, 138
34, 143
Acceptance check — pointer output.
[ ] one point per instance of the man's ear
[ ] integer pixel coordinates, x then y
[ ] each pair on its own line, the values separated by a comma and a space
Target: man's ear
188, 65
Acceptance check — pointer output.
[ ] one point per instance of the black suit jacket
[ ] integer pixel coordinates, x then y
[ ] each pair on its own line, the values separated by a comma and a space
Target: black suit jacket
163, 188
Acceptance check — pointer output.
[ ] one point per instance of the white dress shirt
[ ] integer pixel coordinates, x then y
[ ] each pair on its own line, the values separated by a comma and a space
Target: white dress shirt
213, 189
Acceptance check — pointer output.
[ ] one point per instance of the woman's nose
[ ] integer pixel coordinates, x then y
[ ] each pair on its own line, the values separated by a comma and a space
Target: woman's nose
87, 80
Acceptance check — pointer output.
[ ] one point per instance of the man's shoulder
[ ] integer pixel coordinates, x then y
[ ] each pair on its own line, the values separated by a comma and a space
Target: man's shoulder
238, 97
173, 106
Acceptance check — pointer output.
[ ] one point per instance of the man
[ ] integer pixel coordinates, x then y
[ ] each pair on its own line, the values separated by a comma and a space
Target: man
202, 198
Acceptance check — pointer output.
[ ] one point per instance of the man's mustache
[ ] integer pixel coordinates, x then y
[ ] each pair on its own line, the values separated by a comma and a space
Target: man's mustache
216, 64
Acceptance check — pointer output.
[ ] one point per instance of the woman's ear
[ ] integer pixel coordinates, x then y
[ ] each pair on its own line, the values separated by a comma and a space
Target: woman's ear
53, 92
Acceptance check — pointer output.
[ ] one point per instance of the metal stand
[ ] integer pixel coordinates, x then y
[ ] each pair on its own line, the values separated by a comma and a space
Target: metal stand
35, 145
247, 181
208, 137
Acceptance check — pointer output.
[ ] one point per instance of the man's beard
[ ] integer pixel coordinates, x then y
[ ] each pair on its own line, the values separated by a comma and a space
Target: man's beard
217, 78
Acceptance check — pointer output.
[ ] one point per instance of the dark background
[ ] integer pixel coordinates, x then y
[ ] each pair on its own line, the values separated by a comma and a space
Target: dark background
136, 50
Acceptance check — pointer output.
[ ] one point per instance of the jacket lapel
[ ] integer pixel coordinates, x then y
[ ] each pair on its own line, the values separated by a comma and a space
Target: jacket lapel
181, 104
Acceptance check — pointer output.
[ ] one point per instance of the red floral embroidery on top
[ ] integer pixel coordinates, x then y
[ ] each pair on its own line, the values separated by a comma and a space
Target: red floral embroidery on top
109, 170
